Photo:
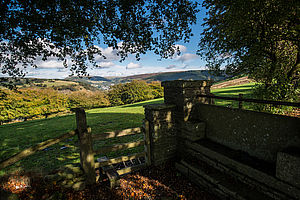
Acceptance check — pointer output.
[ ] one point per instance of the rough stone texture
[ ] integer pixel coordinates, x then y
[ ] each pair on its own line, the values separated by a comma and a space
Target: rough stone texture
261, 135
163, 143
185, 118
288, 166
192, 131
262, 181
183, 94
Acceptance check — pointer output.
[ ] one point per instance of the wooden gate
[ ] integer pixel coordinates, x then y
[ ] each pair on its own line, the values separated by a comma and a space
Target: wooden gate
87, 153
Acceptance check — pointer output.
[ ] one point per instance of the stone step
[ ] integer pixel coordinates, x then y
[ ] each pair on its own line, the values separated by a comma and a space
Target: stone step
218, 182
115, 171
243, 167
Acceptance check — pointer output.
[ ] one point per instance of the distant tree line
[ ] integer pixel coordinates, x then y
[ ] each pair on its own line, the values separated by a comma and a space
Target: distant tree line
29, 103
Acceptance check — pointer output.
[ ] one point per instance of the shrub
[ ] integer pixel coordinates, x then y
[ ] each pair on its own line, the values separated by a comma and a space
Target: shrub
88, 99
157, 89
127, 93
26, 103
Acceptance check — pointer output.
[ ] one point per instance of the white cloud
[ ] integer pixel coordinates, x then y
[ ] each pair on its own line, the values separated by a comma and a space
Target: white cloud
182, 48
50, 64
48, 73
226, 55
186, 57
109, 53
106, 64
172, 67
133, 66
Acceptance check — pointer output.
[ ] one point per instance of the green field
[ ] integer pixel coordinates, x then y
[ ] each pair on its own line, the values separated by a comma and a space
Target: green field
234, 91
18, 136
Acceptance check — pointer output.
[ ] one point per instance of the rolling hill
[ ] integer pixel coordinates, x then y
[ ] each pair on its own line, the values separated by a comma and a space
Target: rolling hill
104, 82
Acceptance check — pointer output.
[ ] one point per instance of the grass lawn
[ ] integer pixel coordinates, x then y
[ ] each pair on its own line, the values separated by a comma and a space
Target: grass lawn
234, 91
18, 136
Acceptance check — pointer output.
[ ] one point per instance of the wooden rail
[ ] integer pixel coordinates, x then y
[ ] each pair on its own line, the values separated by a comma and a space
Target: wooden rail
112, 173
119, 159
113, 134
31, 150
118, 147
283, 103
86, 147
130, 169
147, 142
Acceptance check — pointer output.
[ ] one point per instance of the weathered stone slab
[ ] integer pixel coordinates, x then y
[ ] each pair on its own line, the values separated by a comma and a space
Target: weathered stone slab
186, 84
288, 166
257, 175
197, 128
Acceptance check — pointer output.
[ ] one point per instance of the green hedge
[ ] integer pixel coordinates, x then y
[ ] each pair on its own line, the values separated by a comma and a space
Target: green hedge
134, 91
28, 103
37, 102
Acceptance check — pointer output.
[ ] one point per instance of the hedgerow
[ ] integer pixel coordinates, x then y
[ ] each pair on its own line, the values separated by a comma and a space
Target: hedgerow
37, 102
134, 91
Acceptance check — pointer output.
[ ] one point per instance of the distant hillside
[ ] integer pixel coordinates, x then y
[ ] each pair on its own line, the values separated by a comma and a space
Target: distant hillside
93, 82
57, 84
187, 75
170, 76
106, 82
87, 79
233, 82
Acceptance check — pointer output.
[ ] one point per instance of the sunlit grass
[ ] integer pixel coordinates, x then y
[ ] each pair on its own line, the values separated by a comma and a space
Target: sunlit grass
234, 91
18, 136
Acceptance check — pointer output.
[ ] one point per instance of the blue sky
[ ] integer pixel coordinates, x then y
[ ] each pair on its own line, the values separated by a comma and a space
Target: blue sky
149, 63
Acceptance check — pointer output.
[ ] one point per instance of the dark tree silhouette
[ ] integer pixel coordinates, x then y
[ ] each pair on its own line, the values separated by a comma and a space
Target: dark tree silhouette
69, 29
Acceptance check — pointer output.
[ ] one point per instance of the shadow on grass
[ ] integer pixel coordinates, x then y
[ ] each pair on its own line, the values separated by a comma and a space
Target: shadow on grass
65, 152
157, 101
246, 91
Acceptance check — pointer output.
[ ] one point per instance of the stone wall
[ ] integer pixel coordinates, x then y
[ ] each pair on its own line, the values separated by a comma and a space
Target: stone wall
187, 119
183, 94
162, 135
261, 135
170, 123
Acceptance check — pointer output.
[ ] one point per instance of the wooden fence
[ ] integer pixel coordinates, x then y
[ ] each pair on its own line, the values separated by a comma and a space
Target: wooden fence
240, 99
87, 153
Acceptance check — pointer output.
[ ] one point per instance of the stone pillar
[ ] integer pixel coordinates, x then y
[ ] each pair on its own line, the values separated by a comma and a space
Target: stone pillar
162, 135
183, 94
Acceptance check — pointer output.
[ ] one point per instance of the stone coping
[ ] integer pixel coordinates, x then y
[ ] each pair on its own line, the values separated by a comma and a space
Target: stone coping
159, 106
186, 83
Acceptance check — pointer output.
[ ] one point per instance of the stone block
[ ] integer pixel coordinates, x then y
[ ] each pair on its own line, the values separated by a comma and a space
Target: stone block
288, 166
164, 128
158, 115
194, 127
186, 84
192, 131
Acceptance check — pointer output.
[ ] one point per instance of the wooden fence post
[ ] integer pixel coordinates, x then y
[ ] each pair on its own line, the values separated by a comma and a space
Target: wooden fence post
147, 142
240, 101
86, 146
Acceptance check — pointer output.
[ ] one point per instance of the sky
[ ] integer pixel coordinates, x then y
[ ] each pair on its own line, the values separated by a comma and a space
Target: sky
149, 63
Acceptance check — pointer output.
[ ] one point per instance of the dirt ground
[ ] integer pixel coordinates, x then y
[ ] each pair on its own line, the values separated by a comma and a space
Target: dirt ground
163, 182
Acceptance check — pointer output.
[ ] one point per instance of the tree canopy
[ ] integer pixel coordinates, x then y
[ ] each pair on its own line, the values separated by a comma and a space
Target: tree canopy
71, 30
257, 37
